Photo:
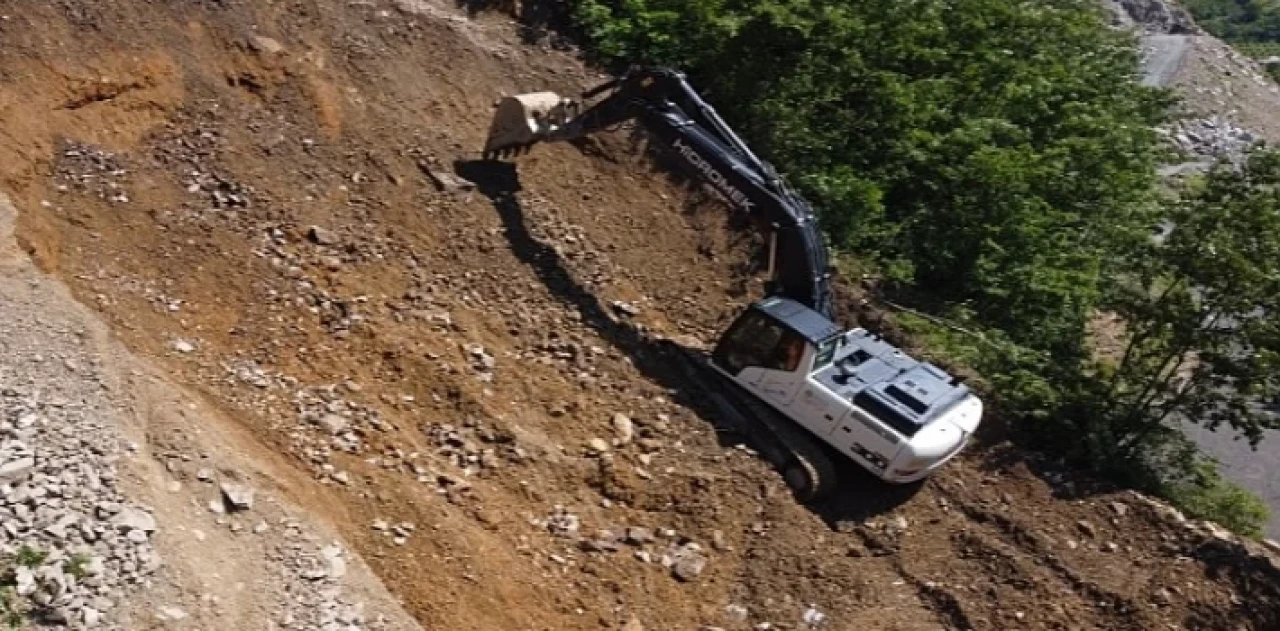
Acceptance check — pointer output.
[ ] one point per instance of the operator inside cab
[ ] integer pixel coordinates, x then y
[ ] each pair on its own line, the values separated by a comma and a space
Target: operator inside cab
790, 352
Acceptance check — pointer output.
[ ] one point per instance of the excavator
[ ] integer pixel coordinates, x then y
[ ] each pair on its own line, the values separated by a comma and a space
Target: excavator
783, 366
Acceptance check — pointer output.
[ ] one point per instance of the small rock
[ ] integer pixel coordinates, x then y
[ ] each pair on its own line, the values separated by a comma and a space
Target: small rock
625, 308
90, 616
169, 612
183, 346
16, 470
333, 423
623, 428
266, 45
24, 580
633, 624
1120, 508
717, 540
688, 562
129, 519
1272, 544
598, 445
337, 565
449, 182
1087, 528
322, 236
58, 529
239, 496
812, 617
639, 535
1162, 597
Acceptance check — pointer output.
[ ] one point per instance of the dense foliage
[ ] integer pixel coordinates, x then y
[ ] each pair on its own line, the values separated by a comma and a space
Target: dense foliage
972, 147
1238, 20
994, 161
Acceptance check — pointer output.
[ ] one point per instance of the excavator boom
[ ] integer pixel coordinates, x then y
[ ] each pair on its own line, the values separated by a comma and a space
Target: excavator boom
661, 100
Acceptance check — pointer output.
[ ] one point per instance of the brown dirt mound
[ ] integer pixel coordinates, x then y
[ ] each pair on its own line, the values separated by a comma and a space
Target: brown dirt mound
255, 179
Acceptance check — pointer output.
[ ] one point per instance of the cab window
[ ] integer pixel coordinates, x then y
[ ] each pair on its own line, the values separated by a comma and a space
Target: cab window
826, 351
758, 340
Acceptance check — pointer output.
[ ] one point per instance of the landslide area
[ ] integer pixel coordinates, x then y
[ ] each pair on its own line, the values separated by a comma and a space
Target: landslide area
281, 203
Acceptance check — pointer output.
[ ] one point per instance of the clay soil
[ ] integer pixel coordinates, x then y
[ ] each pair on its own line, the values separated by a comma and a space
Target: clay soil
170, 159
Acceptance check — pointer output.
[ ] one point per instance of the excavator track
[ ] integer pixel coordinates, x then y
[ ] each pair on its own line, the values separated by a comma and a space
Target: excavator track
801, 459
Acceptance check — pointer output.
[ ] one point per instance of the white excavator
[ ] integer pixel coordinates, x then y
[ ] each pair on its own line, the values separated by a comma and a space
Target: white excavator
783, 365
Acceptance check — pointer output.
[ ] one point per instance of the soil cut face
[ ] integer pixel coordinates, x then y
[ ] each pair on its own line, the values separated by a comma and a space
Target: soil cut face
460, 364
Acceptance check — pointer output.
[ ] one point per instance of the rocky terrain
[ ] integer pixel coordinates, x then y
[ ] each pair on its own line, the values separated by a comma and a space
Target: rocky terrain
282, 353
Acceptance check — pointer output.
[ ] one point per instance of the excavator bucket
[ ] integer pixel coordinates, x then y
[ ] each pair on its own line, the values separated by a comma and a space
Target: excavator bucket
525, 119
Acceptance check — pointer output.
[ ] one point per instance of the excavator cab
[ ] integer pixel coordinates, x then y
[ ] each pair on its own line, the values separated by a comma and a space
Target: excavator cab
776, 334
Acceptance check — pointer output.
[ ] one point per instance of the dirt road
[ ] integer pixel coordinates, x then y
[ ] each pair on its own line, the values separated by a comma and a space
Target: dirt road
280, 205
1163, 58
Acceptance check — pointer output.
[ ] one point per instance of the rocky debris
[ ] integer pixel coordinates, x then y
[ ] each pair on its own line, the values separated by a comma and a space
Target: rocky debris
88, 170
77, 544
561, 522
685, 560
1155, 16
482, 362
220, 191
311, 573
1213, 137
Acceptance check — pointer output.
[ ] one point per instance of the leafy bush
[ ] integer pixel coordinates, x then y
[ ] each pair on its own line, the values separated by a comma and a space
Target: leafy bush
1200, 491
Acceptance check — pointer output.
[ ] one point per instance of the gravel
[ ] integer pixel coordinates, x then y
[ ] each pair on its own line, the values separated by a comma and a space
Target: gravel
79, 544
85, 551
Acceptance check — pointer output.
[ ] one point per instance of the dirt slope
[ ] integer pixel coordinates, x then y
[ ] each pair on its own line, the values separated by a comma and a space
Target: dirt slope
260, 196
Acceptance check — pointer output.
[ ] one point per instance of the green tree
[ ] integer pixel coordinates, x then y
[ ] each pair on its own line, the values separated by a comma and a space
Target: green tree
1203, 307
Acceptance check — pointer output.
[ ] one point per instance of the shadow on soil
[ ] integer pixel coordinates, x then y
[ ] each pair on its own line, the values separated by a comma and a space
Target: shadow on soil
1254, 577
861, 496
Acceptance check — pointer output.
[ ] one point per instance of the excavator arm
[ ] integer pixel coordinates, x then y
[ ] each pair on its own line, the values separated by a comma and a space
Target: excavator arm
662, 100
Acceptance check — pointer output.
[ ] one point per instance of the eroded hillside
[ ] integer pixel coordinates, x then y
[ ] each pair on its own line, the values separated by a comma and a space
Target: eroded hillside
459, 364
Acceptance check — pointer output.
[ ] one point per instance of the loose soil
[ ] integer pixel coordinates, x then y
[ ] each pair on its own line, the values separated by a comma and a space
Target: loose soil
250, 195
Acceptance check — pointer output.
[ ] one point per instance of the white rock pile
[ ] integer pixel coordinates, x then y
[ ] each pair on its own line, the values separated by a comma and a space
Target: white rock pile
73, 546
1213, 137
